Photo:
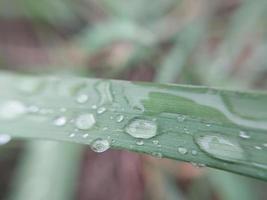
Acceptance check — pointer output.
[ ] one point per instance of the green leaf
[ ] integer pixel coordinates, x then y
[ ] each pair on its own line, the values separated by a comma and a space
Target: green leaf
218, 128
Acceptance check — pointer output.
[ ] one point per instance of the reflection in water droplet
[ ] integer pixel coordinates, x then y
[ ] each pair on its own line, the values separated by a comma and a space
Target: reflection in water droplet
182, 150
221, 148
101, 110
60, 121
141, 128
12, 109
119, 118
100, 145
244, 135
83, 98
85, 121
4, 139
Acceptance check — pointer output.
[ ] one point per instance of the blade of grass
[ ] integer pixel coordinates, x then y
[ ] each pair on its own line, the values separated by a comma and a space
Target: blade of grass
218, 128
38, 177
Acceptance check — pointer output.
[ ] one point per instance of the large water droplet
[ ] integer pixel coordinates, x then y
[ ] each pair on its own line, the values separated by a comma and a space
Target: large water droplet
142, 128
12, 109
222, 148
4, 139
60, 121
100, 145
85, 121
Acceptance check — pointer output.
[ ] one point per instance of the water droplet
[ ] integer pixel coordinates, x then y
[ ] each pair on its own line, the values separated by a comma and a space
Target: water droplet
94, 107
258, 147
194, 152
181, 118
101, 110
85, 121
156, 142
85, 135
244, 135
182, 150
265, 144
142, 128
100, 145
83, 98
12, 109
60, 121
4, 139
119, 118
72, 135
140, 142
220, 147
208, 125
157, 154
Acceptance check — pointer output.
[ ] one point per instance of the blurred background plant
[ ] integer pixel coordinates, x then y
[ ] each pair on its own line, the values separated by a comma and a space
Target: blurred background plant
206, 42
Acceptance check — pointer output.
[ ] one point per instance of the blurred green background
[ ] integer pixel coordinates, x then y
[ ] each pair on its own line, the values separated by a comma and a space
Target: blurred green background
220, 43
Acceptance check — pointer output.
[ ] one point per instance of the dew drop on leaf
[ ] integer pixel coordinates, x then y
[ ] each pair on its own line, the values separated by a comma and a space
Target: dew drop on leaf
244, 135
141, 128
4, 139
60, 121
101, 110
83, 98
119, 118
182, 150
100, 145
85, 121
222, 148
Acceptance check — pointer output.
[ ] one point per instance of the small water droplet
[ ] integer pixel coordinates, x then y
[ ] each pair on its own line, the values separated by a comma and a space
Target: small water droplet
182, 150
244, 135
140, 142
208, 125
194, 152
83, 98
94, 107
85, 135
258, 147
156, 142
60, 121
101, 110
4, 139
220, 147
85, 121
181, 118
142, 128
72, 135
12, 109
265, 144
119, 118
100, 145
